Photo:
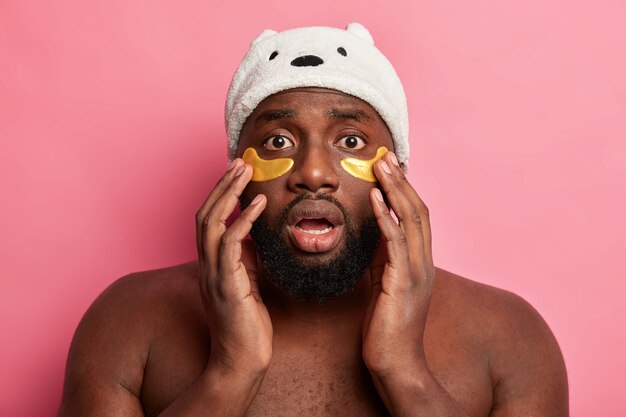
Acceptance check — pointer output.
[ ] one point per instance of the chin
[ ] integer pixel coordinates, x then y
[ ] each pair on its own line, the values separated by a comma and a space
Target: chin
316, 259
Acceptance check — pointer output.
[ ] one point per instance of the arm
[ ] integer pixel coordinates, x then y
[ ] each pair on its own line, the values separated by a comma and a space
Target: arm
525, 361
110, 349
105, 366
402, 276
526, 365
239, 324
101, 380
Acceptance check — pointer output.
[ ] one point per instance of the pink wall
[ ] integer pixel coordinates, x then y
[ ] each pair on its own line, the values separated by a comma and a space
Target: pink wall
111, 135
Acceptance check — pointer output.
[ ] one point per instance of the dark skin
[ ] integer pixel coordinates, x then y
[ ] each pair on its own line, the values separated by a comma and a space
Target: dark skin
410, 339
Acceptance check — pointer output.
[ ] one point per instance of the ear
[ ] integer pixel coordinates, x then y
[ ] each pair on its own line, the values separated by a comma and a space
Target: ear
264, 35
360, 30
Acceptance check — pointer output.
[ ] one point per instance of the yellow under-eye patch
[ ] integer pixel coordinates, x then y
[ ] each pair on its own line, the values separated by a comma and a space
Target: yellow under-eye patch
361, 169
266, 169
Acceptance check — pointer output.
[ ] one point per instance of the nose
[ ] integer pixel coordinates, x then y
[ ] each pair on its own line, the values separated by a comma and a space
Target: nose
314, 171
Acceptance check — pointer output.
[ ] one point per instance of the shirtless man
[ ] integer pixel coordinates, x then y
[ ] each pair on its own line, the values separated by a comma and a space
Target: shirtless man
334, 308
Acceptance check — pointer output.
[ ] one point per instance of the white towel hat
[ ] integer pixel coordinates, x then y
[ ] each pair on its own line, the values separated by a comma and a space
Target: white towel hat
343, 60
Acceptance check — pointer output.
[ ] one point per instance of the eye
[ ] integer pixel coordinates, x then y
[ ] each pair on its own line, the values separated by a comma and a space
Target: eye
273, 55
351, 142
277, 142
342, 51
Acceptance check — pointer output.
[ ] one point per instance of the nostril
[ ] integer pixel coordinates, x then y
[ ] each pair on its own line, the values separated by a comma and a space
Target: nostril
307, 61
313, 188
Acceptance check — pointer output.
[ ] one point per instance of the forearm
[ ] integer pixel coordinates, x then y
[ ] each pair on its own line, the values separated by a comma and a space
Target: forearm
414, 391
217, 393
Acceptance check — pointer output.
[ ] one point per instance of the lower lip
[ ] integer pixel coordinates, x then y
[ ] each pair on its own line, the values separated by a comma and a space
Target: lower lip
312, 243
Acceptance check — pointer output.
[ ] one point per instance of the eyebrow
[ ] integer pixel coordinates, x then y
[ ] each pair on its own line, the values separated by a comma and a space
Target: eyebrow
271, 115
356, 115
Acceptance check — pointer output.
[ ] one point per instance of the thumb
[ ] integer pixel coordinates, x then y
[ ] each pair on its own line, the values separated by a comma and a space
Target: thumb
377, 266
249, 260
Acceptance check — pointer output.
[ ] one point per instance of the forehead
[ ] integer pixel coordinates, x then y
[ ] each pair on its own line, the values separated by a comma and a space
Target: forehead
316, 100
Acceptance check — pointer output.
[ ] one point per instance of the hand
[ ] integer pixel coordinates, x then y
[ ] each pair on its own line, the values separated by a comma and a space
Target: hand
402, 275
239, 324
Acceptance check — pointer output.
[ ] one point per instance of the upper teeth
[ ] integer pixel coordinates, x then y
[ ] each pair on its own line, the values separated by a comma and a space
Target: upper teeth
316, 232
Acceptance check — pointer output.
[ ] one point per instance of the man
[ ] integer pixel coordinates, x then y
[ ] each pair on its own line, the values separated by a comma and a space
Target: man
334, 307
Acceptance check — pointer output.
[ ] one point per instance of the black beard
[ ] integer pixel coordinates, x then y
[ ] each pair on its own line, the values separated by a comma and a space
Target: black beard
304, 279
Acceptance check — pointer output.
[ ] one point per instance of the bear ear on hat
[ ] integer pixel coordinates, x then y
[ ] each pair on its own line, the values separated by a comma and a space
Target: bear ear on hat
265, 34
360, 30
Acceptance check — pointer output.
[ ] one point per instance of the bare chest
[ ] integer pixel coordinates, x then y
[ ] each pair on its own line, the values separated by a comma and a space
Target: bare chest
303, 382
305, 385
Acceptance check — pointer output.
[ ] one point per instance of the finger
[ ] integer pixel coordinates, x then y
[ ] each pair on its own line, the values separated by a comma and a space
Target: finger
408, 216
215, 193
395, 238
215, 220
415, 199
380, 256
426, 228
376, 270
377, 266
249, 258
231, 259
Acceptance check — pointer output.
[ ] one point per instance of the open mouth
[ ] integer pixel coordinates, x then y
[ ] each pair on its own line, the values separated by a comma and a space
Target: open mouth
318, 226
315, 226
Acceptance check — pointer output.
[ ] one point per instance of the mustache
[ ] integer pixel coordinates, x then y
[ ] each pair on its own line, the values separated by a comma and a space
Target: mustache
309, 196
282, 217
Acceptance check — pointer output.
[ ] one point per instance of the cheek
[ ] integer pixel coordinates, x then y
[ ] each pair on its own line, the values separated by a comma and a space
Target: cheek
355, 197
266, 169
363, 169
277, 199
255, 188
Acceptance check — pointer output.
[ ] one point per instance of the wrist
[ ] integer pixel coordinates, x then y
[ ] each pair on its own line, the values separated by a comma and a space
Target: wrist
412, 373
226, 366
415, 391
386, 364
225, 385
399, 382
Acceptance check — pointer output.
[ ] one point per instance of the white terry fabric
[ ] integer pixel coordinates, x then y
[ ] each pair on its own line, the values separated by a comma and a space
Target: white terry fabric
363, 72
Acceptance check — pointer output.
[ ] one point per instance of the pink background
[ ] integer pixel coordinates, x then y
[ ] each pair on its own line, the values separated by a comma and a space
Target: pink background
111, 134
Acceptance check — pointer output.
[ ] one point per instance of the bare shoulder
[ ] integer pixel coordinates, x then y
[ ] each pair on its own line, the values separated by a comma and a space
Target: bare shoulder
148, 293
112, 343
496, 310
524, 359
136, 304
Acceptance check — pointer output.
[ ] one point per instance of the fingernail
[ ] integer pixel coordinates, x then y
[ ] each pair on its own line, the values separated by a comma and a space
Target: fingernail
256, 200
231, 165
378, 195
394, 160
240, 170
385, 167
